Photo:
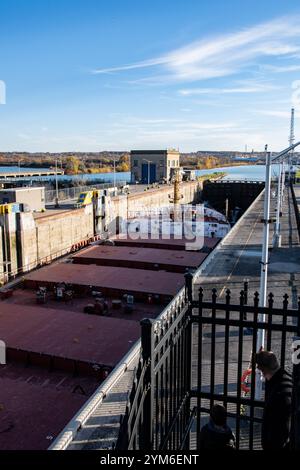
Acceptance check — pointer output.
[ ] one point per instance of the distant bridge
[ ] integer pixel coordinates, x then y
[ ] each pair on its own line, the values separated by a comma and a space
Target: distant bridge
21, 174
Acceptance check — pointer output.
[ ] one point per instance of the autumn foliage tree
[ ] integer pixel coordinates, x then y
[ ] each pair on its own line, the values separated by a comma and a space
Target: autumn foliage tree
74, 166
124, 163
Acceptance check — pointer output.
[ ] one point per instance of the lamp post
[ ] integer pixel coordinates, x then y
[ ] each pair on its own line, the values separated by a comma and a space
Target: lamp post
277, 234
265, 247
114, 173
265, 255
56, 185
282, 186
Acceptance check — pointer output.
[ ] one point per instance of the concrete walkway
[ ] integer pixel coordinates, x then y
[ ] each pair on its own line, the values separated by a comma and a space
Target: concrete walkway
239, 257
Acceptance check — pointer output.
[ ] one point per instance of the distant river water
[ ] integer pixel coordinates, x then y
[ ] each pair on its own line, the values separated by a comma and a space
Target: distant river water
244, 172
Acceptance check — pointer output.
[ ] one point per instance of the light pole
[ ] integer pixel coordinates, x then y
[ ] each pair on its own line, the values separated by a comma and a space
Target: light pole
265, 256
291, 141
265, 247
56, 185
277, 234
114, 173
282, 186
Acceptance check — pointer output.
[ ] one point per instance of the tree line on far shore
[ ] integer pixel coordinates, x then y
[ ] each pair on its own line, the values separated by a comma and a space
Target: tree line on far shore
104, 162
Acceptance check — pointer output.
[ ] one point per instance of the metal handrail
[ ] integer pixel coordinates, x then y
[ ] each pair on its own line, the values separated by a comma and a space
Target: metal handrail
65, 437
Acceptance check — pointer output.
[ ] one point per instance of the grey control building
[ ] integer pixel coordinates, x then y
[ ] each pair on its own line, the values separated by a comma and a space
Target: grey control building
32, 197
150, 166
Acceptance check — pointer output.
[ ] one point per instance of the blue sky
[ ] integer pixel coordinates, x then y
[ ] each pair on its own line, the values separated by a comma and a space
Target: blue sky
93, 75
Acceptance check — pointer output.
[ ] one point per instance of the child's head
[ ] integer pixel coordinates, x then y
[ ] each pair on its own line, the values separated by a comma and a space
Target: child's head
218, 415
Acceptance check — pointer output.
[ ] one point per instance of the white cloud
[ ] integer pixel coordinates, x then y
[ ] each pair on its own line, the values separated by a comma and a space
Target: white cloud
276, 113
24, 136
256, 88
132, 131
2, 92
281, 69
207, 125
164, 124
139, 65
222, 55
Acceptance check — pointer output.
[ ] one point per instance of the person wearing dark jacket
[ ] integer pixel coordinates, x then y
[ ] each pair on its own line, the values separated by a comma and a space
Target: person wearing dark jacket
216, 435
278, 402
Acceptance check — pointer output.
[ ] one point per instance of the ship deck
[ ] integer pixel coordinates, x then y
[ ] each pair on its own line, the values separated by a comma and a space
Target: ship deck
35, 405
140, 258
57, 355
171, 243
111, 280
61, 334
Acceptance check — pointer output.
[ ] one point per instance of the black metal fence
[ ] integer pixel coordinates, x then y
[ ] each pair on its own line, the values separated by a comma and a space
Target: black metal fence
201, 354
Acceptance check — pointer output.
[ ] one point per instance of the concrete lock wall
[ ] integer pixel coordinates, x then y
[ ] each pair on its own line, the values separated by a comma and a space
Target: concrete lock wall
238, 193
27, 241
8, 244
32, 240
56, 234
125, 206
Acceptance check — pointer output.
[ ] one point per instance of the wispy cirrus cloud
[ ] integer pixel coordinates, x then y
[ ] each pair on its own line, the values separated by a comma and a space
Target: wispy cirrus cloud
2, 92
178, 125
276, 113
281, 68
222, 55
255, 88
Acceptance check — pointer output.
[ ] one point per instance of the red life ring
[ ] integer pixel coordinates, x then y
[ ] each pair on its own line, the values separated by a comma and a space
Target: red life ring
244, 384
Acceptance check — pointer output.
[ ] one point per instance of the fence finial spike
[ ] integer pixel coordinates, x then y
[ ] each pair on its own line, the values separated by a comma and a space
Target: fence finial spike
256, 299
285, 301
271, 299
242, 297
